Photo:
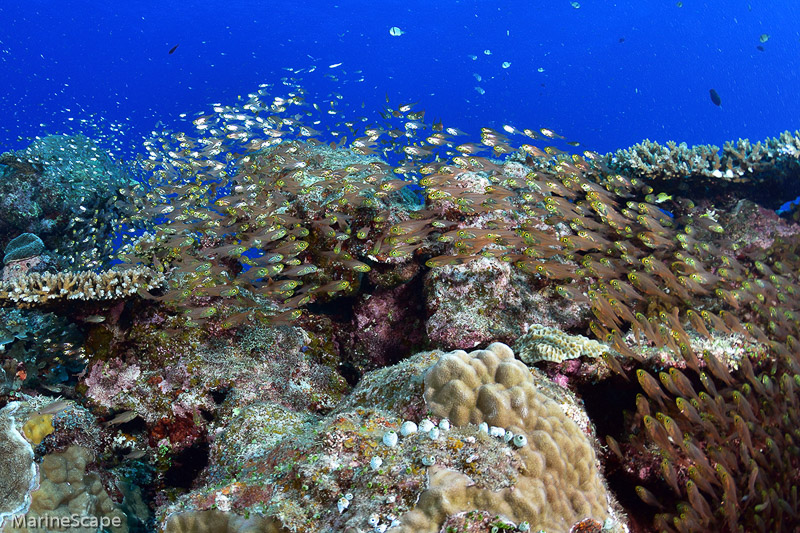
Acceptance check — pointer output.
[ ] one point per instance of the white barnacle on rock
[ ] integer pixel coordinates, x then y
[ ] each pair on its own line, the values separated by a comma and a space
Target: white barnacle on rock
425, 426
433, 434
428, 460
407, 428
508, 436
375, 463
342, 504
444, 424
520, 440
390, 438
498, 432
483, 427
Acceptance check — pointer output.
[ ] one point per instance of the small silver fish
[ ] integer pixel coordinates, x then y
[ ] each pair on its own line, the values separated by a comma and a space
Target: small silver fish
54, 407
125, 416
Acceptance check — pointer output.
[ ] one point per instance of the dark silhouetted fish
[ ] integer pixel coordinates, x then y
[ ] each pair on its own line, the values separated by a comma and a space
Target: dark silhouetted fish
715, 97
172, 50
761, 48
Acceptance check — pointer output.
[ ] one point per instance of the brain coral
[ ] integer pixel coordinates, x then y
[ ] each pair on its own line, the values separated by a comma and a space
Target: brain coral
560, 485
23, 246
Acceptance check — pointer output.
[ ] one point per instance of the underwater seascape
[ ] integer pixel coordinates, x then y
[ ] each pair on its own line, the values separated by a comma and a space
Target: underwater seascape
462, 267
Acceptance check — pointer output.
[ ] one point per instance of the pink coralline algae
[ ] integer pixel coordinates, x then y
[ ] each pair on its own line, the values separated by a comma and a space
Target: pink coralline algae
756, 227
487, 300
20, 267
386, 326
107, 379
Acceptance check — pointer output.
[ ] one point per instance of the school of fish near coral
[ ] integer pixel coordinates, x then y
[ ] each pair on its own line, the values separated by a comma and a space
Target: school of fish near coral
251, 329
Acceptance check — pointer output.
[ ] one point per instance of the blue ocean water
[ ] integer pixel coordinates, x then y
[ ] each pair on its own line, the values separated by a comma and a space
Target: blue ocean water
605, 74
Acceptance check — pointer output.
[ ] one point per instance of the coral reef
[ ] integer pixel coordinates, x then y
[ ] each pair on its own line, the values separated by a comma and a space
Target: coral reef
67, 191
252, 368
267, 459
39, 349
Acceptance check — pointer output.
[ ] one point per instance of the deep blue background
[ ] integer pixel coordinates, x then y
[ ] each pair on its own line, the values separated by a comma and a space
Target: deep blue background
107, 63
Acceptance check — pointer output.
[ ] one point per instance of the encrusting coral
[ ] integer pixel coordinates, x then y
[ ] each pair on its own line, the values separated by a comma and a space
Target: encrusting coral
543, 343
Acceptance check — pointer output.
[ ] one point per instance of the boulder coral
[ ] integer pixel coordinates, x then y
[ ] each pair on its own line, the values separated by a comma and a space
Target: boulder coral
559, 484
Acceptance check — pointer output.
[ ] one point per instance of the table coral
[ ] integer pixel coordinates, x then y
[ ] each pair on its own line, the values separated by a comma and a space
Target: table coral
35, 289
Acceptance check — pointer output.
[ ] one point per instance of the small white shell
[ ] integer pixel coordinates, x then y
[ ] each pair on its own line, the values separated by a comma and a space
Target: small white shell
524, 526
444, 424
508, 436
374, 519
407, 428
483, 427
390, 438
425, 426
433, 433
380, 528
428, 460
520, 440
342, 504
375, 463
349, 496
495, 431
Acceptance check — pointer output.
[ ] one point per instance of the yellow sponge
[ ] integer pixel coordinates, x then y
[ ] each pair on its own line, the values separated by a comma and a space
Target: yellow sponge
37, 428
